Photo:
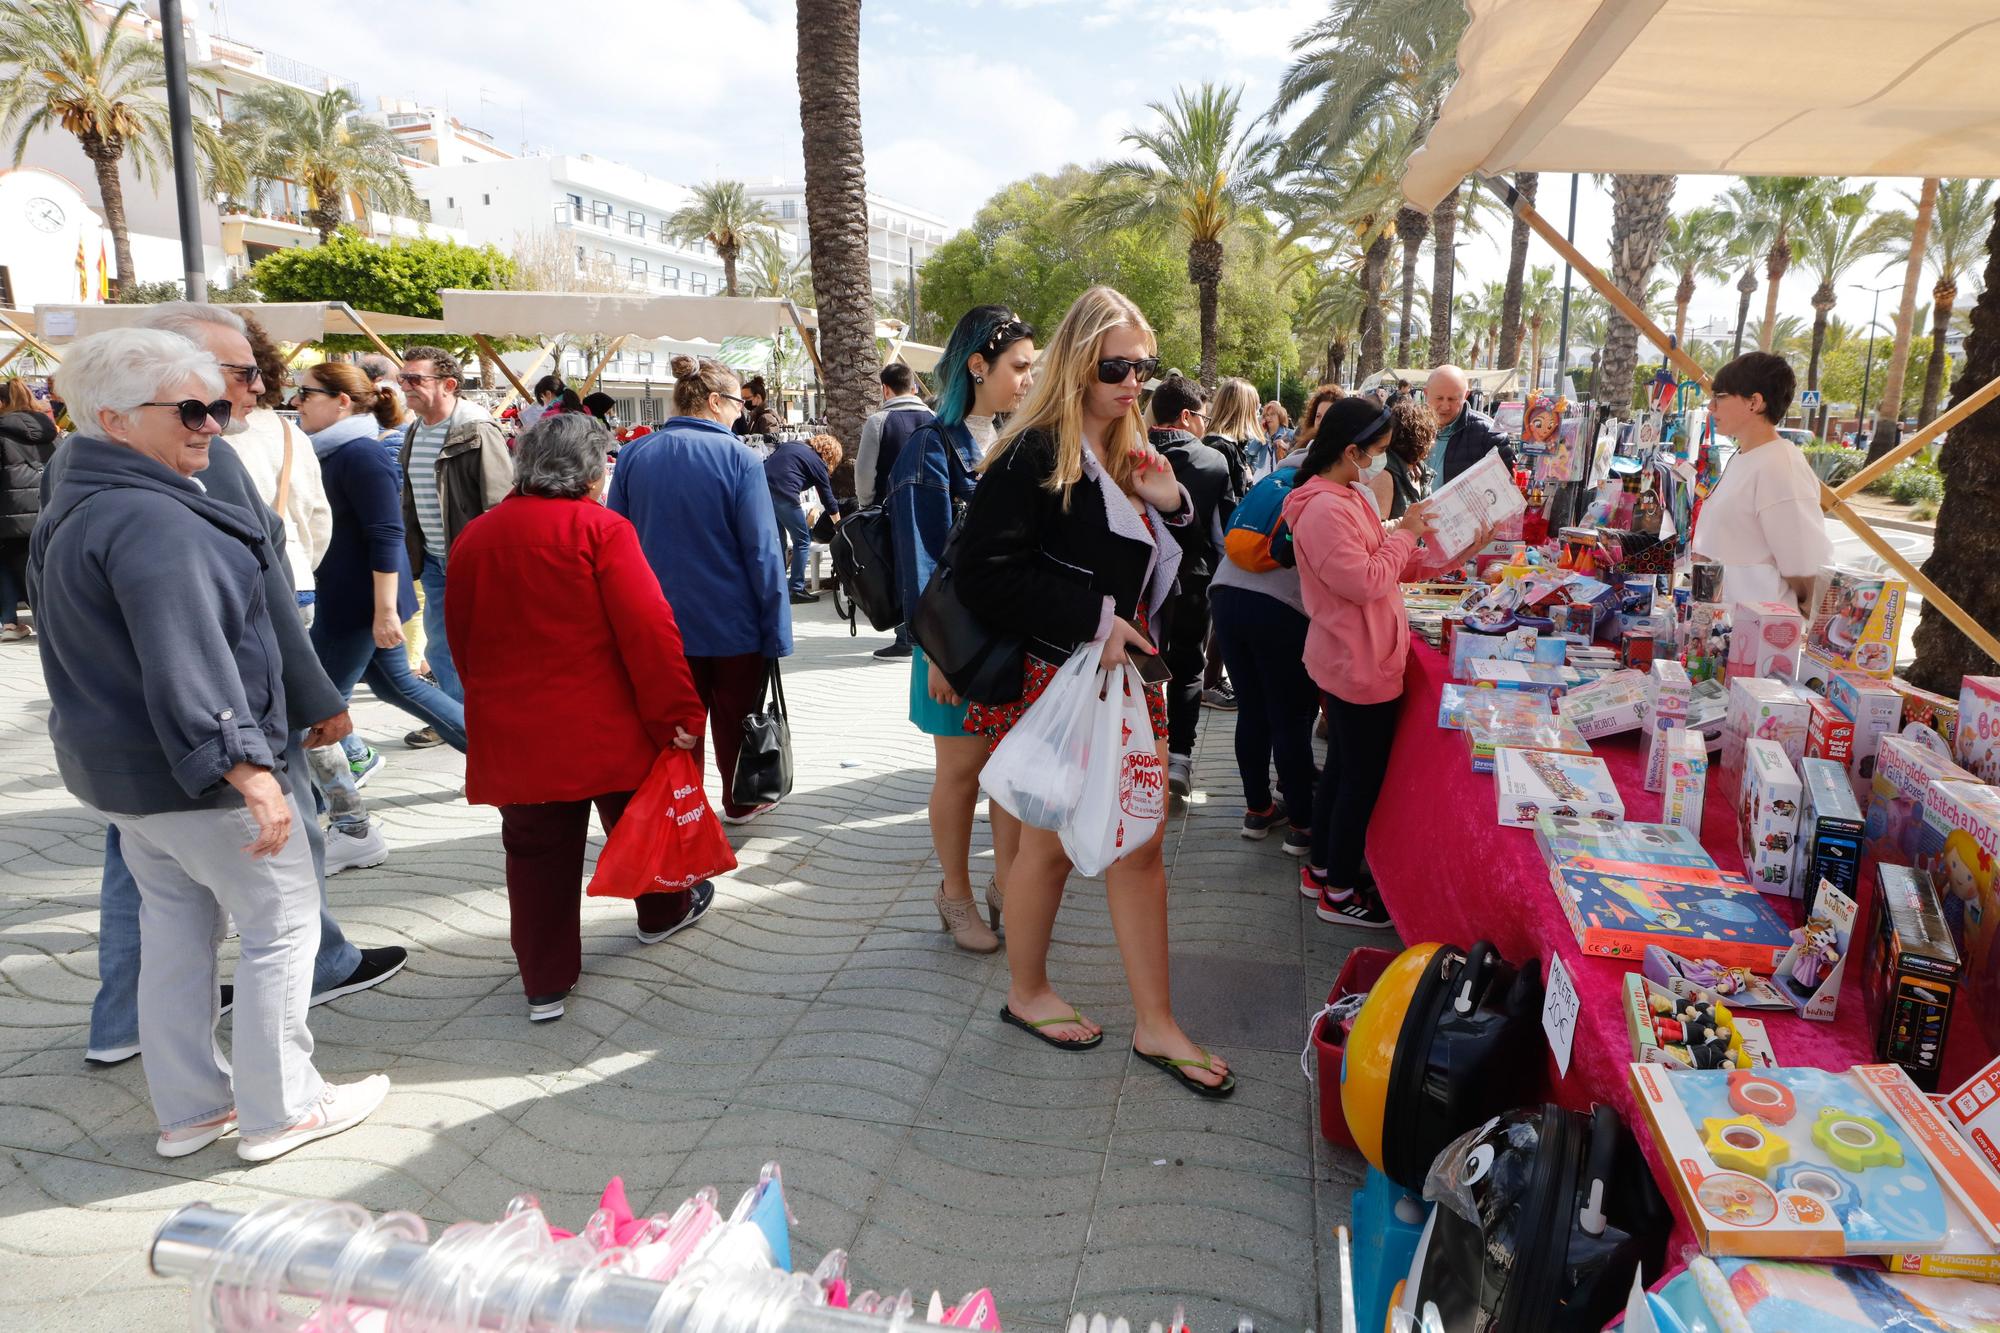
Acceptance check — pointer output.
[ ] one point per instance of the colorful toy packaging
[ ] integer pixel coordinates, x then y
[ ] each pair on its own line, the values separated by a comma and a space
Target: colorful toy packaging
1771, 710
1667, 691
1978, 743
1687, 780
1856, 619
1829, 733
1704, 978
1924, 709
1960, 848
1913, 974
1904, 770
1502, 673
1810, 973
1704, 640
1608, 706
1458, 705
1876, 711
1484, 736
1764, 641
1621, 915
1767, 818
1657, 850
1690, 1031
1537, 782
1831, 826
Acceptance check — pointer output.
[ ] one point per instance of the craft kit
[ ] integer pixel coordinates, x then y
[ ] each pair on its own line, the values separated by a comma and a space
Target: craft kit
1608, 706
1690, 1032
1978, 744
1829, 733
1764, 640
1913, 974
1619, 916
1767, 818
1811, 971
1483, 737
1687, 780
1459, 704
1771, 710
1856, 618
1960, 849
1830, 831
1922, 708
1704, 978
1904, 770
1657, 850
1667, 691
1876, 711
1537, 782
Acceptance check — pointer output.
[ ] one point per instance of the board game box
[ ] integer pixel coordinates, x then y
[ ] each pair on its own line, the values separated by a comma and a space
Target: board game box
1528, 783
1617, 916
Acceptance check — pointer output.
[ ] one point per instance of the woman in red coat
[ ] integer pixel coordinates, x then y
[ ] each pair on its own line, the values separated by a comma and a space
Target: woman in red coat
574, 683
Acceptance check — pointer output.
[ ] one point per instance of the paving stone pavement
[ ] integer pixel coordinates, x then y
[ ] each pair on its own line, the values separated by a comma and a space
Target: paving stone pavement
819, 1017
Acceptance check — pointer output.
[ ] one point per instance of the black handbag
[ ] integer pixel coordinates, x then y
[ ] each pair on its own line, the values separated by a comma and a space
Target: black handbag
864, 564
981, 665
763, 773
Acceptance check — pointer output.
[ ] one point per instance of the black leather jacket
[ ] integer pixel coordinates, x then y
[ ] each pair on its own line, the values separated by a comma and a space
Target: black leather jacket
1475, 436
27, 439
1204, 470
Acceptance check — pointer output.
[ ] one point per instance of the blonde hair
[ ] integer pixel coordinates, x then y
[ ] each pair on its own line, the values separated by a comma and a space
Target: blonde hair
1237, 413
1069, 368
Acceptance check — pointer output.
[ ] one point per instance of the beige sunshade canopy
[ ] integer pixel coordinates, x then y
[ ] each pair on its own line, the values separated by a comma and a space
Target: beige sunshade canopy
284, 321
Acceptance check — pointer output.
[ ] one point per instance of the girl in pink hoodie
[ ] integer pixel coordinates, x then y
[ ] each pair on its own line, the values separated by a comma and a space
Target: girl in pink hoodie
1350, 565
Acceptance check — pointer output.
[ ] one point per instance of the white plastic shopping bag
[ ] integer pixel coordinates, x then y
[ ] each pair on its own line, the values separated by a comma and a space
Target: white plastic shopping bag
1036, 772
1124, 784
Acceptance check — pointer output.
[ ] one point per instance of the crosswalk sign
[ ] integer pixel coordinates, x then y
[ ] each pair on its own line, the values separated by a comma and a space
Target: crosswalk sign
1809, 398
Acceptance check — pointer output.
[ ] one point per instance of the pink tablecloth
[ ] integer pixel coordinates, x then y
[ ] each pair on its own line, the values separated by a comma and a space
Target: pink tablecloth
1450, 872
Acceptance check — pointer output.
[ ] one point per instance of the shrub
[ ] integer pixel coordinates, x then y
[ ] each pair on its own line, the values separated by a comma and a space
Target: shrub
1832, 463
1913, 482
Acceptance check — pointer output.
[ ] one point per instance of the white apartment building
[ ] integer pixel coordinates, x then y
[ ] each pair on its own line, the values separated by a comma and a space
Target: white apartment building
900, 237
431, 137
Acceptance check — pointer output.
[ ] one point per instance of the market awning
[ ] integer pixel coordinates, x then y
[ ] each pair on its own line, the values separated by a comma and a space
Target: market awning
1740, 87
1489, 382
613, 315
920, 357
285, 321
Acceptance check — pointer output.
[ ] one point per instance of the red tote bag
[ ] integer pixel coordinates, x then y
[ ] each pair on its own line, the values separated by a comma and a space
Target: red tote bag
668, 838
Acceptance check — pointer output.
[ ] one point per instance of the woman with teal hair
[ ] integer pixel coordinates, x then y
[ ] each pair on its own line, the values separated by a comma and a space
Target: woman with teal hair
984, 372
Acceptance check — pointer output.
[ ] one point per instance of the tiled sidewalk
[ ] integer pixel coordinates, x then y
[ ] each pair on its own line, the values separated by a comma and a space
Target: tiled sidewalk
819, 1017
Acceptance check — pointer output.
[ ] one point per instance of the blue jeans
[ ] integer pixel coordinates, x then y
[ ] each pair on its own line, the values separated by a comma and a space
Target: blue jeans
350, 656
792, 519
114, 1014
437, 651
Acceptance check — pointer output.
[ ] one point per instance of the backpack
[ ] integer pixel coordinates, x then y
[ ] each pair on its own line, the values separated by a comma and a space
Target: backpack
1258, 538
864, 564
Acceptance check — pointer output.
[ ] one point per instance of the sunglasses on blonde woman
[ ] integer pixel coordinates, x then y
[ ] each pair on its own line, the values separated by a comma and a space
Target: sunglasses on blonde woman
194, 411
1115, 369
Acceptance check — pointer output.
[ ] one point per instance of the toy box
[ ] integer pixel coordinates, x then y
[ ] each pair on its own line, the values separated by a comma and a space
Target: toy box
1608, 706
1960, 847
1810, 973
1459, 704
1687, 780
1924, 709
1806, 1162
1704, 640
1618, 916
1649, 851
1978, 745
1535, 782
1764, 641
1830, 830
1913, 974
1690, 1032
1856, 618
1817, 670
1829, 733
1767, 818
1502, 673
1904, 770
1704, 978
1771, 710
1483, 736
1667, 691
1876, 711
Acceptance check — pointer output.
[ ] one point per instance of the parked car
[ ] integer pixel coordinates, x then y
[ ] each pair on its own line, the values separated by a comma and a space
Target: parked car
1802, 438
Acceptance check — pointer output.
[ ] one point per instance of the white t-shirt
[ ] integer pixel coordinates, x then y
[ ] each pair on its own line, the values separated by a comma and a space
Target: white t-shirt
1763, 524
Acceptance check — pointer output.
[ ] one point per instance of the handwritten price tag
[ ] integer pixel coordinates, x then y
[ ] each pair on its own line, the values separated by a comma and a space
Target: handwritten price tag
1560, 1007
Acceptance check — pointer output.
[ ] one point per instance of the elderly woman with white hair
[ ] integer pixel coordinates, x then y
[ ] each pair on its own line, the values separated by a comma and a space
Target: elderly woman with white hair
167, 712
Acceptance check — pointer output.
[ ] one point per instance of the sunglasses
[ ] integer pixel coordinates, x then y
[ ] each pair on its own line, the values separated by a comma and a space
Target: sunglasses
248, 375
307, 390
410, 377
194, 411
1116, 369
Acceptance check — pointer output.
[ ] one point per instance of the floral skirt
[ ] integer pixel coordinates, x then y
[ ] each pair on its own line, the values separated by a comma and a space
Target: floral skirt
994, 721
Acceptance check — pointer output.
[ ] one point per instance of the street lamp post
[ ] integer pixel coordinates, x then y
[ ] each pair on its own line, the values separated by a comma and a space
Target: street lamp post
1868, 368
1562, 339
180, 120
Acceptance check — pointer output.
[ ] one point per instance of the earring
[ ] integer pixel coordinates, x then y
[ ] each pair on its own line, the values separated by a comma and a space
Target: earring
979, 379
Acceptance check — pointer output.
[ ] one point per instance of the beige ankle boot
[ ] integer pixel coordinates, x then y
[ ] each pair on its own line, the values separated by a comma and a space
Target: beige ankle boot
995, 900
968, 932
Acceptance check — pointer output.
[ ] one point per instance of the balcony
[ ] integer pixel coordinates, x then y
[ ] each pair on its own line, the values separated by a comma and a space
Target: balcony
252, 233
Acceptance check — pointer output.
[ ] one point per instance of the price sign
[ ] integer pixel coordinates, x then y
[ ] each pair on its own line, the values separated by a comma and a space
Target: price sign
1560, 1008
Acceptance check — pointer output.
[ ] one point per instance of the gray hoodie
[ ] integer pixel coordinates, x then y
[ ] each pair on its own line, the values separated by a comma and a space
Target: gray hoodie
157, 641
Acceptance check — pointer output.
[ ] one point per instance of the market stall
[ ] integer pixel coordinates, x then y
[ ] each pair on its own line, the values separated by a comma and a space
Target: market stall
293, 323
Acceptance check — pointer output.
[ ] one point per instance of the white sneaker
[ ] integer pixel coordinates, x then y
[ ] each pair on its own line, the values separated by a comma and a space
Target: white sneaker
193, 1138
348, 850
340, 1106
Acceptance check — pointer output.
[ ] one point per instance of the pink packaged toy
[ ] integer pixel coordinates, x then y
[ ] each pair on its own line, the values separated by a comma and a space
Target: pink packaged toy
1960, 847
1764, 640
1770, 710
1978, 744
1905, 768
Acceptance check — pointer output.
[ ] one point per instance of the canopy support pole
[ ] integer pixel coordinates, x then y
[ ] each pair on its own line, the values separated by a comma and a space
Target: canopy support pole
533, 371
485, 344
18, 348
362, 324
1943, 422
293, 355
1832, 502
806, 337
590, 380
29, 339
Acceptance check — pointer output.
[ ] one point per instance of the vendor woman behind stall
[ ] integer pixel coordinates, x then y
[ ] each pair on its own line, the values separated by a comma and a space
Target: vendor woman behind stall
1763, 522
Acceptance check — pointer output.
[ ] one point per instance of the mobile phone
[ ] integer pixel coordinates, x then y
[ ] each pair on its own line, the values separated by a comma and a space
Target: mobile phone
1152, 667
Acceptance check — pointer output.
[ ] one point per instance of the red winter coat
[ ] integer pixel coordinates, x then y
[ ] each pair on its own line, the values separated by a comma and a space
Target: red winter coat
572, 665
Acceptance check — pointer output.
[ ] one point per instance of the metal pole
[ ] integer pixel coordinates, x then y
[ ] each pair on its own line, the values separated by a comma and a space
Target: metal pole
187, 198
1868, 370
1562, 356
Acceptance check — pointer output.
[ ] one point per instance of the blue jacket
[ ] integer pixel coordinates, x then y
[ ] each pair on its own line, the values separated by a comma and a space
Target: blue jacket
158, 649
366, 496
925, 486
793, 467
703, 512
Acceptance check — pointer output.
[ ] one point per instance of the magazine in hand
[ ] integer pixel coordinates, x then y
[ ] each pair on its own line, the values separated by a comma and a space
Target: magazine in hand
1481, 497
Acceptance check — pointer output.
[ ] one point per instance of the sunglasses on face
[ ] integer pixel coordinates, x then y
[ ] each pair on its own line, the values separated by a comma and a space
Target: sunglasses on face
307, 390
194, 411
1117, 369
412, 378
246, 375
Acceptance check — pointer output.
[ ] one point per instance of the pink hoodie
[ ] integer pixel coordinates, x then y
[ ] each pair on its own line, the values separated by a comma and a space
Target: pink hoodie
1349, 569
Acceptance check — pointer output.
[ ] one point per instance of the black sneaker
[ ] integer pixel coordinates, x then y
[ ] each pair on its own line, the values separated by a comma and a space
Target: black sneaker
1299, 842
1353, 909
893, 650
802, 598
1222, 697
423, 738
228, 998
703, 897
1258, 823
376, 966
546, 1008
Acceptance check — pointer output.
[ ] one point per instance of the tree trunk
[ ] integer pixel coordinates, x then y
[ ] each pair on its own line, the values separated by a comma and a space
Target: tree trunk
1373, 336
727, 254
1535, 355
1966, 550
1336, 352
1205, 272
1889, 429
1412, 225
1638, 227
1517, 268
1472, 352
104, 157
1444, 271
1745, 287
1775, 264
1683, 294
829, 72
1822, 307
1944, 296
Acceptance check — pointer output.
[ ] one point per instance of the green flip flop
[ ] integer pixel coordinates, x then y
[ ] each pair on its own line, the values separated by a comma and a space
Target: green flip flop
1179, 1068
1007, 1015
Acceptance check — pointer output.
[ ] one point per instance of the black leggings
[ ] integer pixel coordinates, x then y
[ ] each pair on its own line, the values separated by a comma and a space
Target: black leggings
1358, 737
1264, 642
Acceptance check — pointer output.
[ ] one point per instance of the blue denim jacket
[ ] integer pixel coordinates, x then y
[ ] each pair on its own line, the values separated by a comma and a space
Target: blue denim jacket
924, 485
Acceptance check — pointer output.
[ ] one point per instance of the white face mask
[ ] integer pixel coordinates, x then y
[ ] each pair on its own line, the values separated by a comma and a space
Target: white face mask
1375, 465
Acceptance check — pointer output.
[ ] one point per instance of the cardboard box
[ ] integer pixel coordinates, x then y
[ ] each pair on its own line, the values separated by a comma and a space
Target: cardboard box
1829, 733
1924, 709
1764, 641
1537, 782
1459, 704
1704, 641
1667, 692
1830, 827
1960, 848
1767, 818
1656, 851
1913, 974
1655, 1021
1817, 670
1617, 916
1501, 673
1977, 747
1608, 706
1687, 780
1812, 969
1856, 618
1771, 710
1904, 770
1484, 737
1876, 711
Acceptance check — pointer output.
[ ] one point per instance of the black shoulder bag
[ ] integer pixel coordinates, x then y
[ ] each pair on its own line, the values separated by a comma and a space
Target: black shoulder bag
764, 765
981, 665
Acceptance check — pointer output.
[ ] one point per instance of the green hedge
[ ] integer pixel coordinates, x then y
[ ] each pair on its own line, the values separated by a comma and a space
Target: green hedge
1834, 464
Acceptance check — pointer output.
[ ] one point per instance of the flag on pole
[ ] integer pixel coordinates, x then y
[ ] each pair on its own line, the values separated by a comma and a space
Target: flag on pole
82, 273
103, 273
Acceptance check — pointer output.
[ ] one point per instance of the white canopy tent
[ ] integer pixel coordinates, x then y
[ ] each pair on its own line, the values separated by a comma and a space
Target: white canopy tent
294, 322
1490, 382
1749, 87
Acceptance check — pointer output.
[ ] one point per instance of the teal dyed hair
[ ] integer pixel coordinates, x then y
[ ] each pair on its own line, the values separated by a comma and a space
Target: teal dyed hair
975, 332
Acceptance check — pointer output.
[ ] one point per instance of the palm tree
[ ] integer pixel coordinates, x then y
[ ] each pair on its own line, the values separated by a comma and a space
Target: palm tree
1832, 241
1347, 203
769, 273
318, 142
1526, 184
1785, 202
1332, 313
1412, 226
1962, 209
104, 89
1540, 302
1749, 240
1204, 174
1910, 236
1638, 228
1787, 335
1479, 316
724, 215
829, 74
1692, 251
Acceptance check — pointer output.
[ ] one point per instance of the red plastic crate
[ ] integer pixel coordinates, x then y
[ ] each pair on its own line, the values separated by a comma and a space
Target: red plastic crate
1363, 968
